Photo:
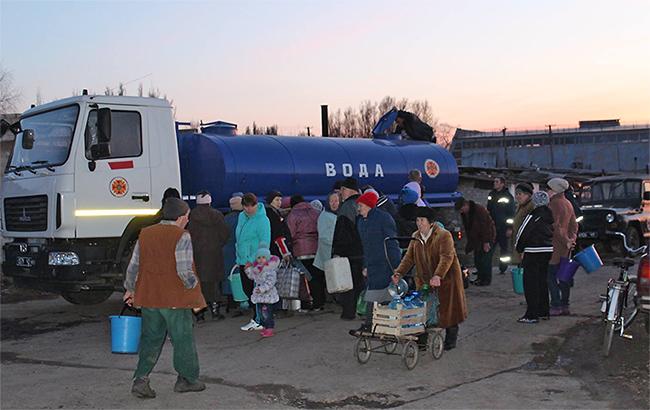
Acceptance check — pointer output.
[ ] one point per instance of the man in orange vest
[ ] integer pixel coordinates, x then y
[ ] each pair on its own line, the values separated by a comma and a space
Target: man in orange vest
161, 280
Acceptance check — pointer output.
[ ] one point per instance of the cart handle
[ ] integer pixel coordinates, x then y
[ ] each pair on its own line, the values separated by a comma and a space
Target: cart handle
397, 238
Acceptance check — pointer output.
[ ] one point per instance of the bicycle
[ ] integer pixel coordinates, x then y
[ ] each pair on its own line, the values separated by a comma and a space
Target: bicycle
619, 304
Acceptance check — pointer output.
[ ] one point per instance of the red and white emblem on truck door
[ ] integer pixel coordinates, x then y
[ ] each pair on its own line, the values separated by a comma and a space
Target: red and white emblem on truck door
119, 187
431, 168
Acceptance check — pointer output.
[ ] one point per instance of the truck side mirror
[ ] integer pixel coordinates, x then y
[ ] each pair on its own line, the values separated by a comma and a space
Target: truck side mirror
28, 139
646, 196
101, 150
104, 125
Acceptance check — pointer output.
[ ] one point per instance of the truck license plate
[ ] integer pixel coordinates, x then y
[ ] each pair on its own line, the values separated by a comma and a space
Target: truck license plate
25, 261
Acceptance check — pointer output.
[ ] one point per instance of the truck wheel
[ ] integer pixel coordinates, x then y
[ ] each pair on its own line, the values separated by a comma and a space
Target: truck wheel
633, 237
87, 297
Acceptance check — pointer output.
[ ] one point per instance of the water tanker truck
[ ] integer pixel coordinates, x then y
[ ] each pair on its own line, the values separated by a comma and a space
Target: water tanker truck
88, 172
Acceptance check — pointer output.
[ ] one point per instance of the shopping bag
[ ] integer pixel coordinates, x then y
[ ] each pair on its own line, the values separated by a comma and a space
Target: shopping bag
234, 278
362, 305
288, 281
338, 275
432, 309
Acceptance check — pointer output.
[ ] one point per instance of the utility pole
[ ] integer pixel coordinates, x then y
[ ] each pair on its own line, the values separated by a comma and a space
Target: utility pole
505, 148
550, 139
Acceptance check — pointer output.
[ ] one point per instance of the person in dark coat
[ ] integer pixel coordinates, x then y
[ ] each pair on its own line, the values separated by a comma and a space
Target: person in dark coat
481, 234
407, 214
535, 240
209, 234
412, 127
502, 207
374, 226
229, 249
346, 244
280, 235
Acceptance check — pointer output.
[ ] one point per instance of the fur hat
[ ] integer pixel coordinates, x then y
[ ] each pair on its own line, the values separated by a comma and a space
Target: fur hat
540, 198
426, 212
174, 208
558, 185
350, 183
369, 198
525, 187
272, 195
235, 201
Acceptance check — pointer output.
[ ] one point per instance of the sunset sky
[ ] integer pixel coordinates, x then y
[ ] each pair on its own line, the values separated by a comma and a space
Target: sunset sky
481, 64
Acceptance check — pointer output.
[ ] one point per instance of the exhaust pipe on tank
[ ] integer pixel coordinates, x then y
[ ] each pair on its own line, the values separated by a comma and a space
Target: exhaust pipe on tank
325, 125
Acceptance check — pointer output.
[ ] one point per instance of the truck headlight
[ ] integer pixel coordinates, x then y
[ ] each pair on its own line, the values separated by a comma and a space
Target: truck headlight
610, 218
62, 259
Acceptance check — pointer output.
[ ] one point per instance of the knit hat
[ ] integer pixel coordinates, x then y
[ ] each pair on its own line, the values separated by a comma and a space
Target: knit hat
408, 196
317, 205
369, 198
371, 190
525, 187
203, 198
272, 195
174, 208
235, 201
263, 250
350, 183
540, 198
170, 193
558, 185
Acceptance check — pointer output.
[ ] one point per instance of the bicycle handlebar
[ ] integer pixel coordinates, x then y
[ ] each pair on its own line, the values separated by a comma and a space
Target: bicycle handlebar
630, 251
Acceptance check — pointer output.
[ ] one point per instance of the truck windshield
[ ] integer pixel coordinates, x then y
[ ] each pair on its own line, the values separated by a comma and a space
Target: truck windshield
53, 131
624, 193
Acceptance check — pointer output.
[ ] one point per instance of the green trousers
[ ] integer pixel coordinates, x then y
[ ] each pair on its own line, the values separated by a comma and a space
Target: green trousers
156, 323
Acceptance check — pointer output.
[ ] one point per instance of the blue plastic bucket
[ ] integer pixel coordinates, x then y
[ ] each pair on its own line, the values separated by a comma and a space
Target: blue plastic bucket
567, 269
518, 280
236, 287
125, 333
589, 259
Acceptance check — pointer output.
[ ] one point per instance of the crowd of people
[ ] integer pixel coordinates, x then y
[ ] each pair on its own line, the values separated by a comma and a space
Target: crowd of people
201, 247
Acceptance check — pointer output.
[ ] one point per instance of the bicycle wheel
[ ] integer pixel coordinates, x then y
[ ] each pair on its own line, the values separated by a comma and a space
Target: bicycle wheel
410, 355
362, 350
609, 335
628, 308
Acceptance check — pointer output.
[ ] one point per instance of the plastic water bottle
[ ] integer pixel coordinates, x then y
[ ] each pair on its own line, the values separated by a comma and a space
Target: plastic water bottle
395, 302
417, 301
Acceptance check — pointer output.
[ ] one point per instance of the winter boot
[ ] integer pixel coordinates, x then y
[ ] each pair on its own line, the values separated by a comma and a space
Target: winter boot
183, 385
141, 389
451, 335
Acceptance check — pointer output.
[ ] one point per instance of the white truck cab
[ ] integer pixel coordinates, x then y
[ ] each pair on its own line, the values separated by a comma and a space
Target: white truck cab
82, 170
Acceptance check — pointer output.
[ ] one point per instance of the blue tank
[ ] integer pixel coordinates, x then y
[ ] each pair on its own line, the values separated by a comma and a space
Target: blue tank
310, 165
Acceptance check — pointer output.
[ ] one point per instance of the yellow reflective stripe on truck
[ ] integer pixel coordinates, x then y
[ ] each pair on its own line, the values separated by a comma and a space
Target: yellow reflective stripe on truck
114, 212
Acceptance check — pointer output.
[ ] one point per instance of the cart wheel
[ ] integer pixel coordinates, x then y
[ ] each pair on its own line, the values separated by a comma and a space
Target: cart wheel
410, 354
435, 344
362, 350
390, 347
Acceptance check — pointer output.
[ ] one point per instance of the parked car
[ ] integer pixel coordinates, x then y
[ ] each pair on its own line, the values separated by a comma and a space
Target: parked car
615, 204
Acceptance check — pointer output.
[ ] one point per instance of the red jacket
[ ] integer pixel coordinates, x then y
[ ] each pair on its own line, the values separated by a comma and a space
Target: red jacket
303, 225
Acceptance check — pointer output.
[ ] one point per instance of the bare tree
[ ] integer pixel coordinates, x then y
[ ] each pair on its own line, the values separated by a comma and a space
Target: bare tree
121, 89
39, 96
9, 95
335, 124
386, 104
153, 92
368, 117
108, 91
349, 126
444, 134
140, 90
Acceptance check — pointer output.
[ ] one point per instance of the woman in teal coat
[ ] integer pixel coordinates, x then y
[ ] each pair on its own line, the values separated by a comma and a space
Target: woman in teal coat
253, 229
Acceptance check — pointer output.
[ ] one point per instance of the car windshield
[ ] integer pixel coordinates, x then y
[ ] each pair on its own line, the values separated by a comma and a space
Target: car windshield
53, 131
623, 193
